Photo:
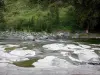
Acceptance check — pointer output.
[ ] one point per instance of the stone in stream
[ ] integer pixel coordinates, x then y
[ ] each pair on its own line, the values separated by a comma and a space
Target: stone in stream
84, 46
64, 53
12, 58
97, 52
96, 49
23, 53
52, 61
55, 46
16, 55
95, 45
86, 55
11, 45
70, 56
94, 63
61, 46
62, 35
29, 37
72, 46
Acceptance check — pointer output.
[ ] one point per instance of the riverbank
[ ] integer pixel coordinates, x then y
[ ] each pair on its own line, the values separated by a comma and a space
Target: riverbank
44, 36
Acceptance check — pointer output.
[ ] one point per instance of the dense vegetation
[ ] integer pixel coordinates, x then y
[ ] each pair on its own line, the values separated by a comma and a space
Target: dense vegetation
49, 15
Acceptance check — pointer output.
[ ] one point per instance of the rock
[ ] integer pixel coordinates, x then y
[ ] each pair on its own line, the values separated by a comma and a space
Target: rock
86, 55
65, 53
2, 48
55, 46
16, 55
76, 35
23, 53
11, 45
52, 61
4, 61
4, 64
44, 37
72, 46
10, 57
69, 55
59, 46
94, 63
29, 37
95, 44
85, 46
96, 49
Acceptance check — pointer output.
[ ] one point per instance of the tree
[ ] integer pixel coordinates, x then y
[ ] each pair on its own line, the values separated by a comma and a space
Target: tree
1, 9
2, 27
88, 13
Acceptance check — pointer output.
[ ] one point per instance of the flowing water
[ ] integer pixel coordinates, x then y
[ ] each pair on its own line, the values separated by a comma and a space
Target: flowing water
50, 57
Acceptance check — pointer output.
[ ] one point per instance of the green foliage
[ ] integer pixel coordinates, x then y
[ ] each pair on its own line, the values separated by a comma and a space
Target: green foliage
2, 25
49, 15
69, 20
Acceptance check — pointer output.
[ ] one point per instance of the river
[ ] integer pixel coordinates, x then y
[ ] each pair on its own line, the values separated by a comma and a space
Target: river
50, 57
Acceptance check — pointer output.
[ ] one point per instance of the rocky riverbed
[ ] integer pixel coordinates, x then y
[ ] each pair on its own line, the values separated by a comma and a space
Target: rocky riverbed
43, 54
22, 36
